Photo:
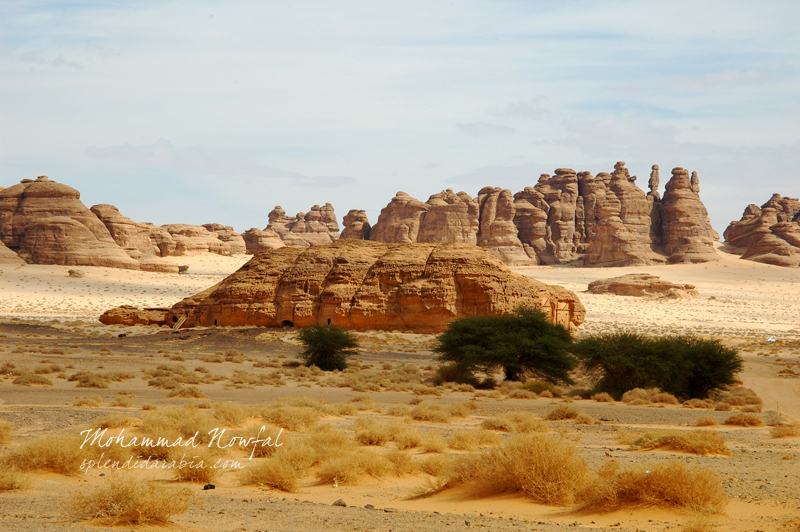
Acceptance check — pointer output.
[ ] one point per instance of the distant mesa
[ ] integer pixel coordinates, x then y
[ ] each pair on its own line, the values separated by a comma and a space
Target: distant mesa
643, 285
361, 285
768, 234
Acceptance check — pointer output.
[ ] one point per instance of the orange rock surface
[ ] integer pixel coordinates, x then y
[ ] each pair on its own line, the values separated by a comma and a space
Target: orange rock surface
363, 285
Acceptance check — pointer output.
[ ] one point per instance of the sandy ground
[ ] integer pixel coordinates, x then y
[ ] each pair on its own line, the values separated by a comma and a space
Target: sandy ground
45, 316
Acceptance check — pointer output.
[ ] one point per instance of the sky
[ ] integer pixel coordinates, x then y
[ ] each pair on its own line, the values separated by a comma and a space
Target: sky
198, 112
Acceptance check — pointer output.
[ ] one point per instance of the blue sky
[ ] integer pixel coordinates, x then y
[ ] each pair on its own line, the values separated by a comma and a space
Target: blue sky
202, 112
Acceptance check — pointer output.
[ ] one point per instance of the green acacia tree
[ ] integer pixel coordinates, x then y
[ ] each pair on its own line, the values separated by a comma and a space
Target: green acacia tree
522, 344
327, 346
685, 366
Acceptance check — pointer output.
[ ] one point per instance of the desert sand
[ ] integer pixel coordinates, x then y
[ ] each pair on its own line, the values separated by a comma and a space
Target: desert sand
48, 317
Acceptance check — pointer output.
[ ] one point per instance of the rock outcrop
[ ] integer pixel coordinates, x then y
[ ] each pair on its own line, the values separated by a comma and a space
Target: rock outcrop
569, 218
369, 285
317, 227
128, 315
643, 285
256, 240
687, 235
133, 237
195, 238
9, 257
769, 234
356, 225
229, 236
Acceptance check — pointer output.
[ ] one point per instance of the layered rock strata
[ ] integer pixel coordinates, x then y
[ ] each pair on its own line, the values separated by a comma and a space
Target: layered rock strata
768, 234
643, 285
317, 227
356, 225
369, 285
578, 218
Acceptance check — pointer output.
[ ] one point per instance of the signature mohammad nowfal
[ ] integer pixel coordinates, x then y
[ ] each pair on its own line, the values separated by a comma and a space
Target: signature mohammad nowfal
97, 437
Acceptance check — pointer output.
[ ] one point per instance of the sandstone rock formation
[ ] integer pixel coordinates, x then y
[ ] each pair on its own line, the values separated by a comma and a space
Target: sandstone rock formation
196, 238
603, 220
317, 227
356, 225
256, 240
133, 237
643, 285
769, 234
9, 257
76, 274
686, 232
229, 236
369, 285
128, 315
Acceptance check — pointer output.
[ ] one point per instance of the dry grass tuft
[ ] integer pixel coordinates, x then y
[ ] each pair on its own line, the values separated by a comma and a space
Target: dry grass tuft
699, 523
562, 412
666, 484
30, 379
518, 422
433, 443
744, 420
702, 442
130, 502
232, 414
294, 418
584, 419
785, 431
641, 396
545, 468
429, 412
12, 480
122, 402
93, 402
348, 468
57, 454
603, 397
187, 392
705, 421
275, 473
6, 430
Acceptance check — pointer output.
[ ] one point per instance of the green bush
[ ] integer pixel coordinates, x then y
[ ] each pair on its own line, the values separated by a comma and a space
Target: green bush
521, 344
327, 346
685, 366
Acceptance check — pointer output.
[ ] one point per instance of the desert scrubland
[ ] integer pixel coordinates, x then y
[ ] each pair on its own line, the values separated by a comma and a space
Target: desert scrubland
400, 452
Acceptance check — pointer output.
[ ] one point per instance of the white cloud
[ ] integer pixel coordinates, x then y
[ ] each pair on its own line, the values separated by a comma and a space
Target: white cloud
482, 129
37, 57
531, 109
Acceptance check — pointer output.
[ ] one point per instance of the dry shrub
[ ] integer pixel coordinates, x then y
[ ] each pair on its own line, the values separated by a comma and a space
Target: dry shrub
751, 409
12, 480
344, 409
639, 396
723, 407
699, 523
187, 392
433, 443
186, 420
327, 441
698, 403
785, 431
93, 401
537, 387
193, 465
562, 412
6, 430
57, 454
30, 379
583, 419
350, 467
275, 473
603, 397
232, 414
429, 412
372, 432
705, 421
668, 484
545, 468
522, 394
130, 501
518, 422
294, 418
467, 440
744, 420
264, 448
402, 464
421, 389
122, 402
701, 442
149, 407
